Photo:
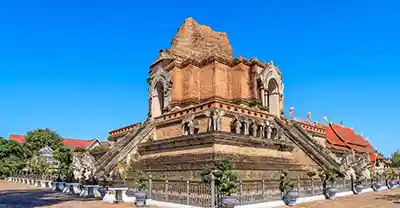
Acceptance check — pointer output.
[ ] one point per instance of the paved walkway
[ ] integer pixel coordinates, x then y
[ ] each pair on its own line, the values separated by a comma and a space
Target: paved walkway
16, 195
382, 199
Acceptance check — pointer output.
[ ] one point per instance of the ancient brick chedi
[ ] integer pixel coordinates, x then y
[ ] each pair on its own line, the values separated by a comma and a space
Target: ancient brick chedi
206, 105
201, 66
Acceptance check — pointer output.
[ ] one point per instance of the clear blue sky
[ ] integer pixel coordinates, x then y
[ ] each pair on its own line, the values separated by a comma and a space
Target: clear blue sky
80, 67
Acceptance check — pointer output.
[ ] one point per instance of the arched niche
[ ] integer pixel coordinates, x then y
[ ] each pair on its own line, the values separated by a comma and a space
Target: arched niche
271, 90
273, 96
157, 103
159, 93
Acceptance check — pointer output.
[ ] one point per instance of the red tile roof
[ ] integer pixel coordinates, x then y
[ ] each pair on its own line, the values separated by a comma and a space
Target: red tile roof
340, 137
75, 143
337, 147
69, 143
18, 138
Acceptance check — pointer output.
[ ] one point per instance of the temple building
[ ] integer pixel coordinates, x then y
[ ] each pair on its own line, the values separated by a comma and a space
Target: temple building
340, 139
68, 143
206, 105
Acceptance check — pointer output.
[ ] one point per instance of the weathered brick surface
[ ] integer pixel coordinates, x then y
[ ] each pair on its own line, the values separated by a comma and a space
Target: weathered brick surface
191, 41
215, 79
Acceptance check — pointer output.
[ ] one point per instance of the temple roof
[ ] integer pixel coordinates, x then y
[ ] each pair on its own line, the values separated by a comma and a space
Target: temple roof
344, 138
69, 143
340, 137
75, 143
18, 138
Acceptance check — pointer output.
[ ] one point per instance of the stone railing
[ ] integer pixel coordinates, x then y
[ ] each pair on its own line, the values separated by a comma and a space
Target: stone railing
126, 149
300, 138
311, 128
107, 194
330, 156
218, 103
111, 153
123, 130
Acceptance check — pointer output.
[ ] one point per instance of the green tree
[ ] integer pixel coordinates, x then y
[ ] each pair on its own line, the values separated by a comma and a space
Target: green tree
80, 150
39, 138
38, 165
64, 157
225, 177
396, 159
98, 149
12, 157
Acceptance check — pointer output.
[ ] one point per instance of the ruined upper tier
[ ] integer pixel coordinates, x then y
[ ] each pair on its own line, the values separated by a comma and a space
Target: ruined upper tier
197, 42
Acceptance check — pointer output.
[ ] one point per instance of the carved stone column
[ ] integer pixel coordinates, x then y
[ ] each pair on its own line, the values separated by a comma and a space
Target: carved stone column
254, 128
266, 99
262, 95
268, 129
261, 129
220, 113
238, 126
246, 126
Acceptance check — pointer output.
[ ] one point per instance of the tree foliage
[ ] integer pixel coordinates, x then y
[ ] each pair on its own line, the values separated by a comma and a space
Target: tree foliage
81, 150
39, 138
396, 159
12, 157
225, 178
98, 150
64, 157
37, 165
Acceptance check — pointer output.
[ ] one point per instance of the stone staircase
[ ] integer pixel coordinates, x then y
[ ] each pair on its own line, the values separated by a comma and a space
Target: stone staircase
312, 148
324, 150
131, 140
115, 150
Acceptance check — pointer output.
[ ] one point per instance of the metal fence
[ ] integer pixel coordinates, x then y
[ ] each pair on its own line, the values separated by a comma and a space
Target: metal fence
197, 193
193, 193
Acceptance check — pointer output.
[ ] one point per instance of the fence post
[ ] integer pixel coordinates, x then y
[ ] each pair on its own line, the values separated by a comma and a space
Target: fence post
166, 190
187, 193
312, 187
150, 186
344, 184
298, 185
241, 192
212, 191
263, 189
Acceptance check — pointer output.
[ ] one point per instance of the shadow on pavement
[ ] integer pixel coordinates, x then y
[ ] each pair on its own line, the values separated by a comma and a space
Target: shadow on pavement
395, 198
29, 198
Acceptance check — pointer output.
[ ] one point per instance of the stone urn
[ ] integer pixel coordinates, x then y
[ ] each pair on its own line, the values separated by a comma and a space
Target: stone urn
395, 185
358, 188
229, 201
102, 190
376, 186
140, 198
390, 184
330, 193
290, 197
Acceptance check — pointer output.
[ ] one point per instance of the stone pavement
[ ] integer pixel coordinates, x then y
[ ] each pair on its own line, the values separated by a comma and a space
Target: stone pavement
16, 195
382, 199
